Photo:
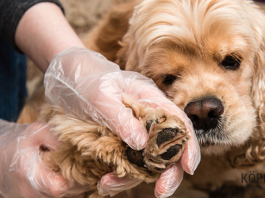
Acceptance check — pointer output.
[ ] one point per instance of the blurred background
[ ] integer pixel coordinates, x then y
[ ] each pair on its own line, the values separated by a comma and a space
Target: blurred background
84, 14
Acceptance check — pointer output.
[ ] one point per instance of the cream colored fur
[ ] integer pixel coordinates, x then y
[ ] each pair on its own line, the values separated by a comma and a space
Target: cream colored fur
189, 39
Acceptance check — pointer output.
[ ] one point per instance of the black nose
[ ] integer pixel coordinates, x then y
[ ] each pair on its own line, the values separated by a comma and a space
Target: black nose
205, 113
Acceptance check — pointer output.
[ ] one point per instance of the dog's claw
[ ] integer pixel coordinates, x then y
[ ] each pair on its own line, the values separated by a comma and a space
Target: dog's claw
149, 124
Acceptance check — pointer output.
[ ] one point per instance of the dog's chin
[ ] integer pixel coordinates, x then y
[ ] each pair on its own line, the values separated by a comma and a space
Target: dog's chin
211, 136
215, 150
214, 141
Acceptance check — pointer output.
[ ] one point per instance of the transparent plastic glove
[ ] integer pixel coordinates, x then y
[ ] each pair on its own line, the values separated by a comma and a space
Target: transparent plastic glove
85, 83
22, 172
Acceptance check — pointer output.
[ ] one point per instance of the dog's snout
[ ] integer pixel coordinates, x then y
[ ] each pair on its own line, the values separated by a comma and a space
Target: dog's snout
205, 113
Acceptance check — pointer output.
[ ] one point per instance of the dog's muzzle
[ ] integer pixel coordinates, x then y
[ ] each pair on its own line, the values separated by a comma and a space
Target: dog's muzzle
205, 115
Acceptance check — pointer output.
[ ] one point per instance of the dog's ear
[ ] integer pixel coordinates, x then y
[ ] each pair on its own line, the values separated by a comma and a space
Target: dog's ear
253, 151
258, 84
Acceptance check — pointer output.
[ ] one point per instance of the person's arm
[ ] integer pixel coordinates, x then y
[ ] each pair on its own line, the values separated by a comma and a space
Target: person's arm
43, 32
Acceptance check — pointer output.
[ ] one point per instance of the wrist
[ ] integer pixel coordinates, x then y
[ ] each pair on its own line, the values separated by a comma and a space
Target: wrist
41, 36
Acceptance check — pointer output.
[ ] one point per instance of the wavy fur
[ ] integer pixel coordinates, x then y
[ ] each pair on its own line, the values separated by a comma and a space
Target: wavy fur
189, 39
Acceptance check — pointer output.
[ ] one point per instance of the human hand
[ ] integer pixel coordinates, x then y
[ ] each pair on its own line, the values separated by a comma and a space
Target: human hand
83, 82
22, 171
171, 178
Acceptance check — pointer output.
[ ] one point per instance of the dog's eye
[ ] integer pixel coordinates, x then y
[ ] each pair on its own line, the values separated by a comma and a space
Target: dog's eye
169, 79
231, 62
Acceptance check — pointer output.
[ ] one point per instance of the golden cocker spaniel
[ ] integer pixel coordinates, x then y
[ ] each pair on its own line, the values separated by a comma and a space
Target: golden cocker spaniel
208, 57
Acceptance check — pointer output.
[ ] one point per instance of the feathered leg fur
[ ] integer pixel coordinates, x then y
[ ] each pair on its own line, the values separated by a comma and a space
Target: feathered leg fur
86, 151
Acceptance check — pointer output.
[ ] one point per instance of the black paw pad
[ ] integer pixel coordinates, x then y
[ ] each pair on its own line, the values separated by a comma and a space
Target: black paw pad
135, 157
166, 135
171, 152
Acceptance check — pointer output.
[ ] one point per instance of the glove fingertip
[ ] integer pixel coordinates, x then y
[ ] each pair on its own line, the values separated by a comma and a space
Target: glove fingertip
135, 135
169, 181
111, 185
191, 156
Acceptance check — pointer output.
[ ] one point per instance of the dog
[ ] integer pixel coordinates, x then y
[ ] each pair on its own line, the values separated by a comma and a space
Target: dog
207, 56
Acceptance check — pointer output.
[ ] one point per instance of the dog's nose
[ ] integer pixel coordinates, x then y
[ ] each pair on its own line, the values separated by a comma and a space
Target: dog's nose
205, 113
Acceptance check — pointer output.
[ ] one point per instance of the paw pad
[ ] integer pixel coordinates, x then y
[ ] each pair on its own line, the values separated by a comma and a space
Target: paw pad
171, 152
167, 138
166, 135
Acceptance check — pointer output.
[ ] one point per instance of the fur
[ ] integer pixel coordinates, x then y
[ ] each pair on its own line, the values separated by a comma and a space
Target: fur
189, 39
86, 150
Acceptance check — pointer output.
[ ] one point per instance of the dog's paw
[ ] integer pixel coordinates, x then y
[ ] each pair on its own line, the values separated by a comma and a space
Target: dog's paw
167, 138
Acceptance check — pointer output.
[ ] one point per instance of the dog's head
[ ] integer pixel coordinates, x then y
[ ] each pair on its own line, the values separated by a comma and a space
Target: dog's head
207, 56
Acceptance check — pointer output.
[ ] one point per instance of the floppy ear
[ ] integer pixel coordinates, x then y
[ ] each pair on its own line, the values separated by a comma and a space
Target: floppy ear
253, 151
258, 81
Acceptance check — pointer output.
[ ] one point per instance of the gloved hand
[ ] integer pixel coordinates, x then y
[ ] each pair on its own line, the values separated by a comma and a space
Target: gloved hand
22, 172
85, 83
